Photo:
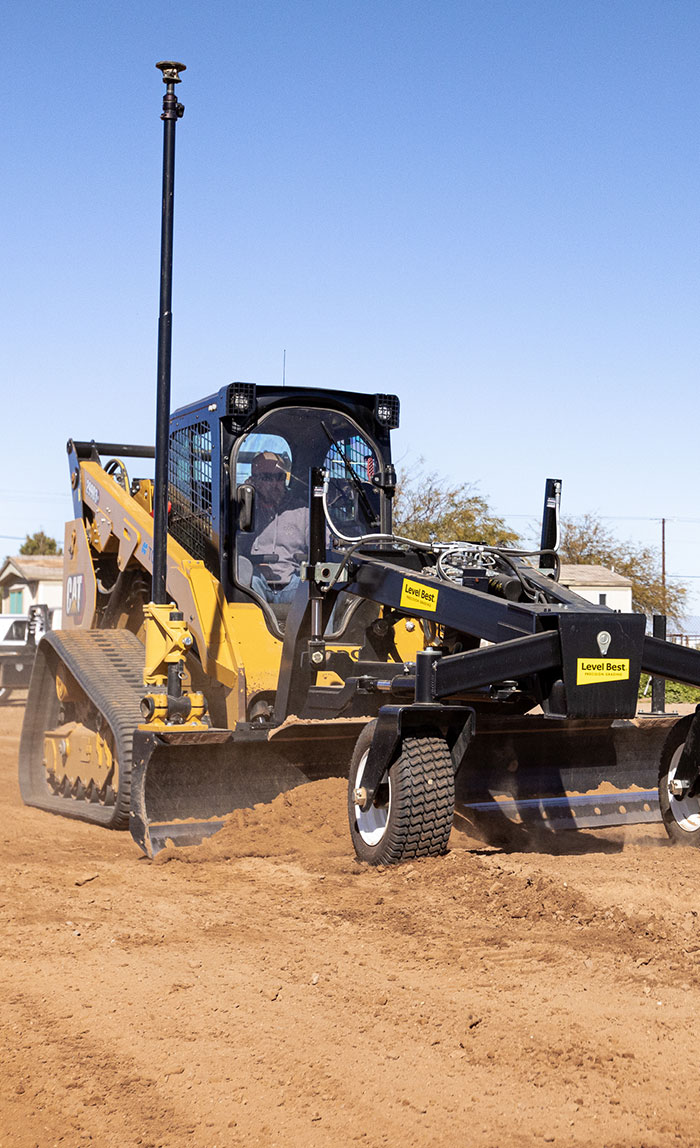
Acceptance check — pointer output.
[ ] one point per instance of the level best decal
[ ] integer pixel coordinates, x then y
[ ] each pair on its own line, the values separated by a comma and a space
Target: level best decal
416, 596
590, 670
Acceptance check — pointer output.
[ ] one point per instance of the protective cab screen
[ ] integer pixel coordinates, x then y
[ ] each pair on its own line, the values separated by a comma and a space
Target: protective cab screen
275, 461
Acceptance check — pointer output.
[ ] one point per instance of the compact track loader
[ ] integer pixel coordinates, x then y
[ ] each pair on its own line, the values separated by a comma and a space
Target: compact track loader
248, 621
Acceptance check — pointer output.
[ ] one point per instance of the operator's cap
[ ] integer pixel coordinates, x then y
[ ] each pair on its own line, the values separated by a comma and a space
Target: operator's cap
268, 460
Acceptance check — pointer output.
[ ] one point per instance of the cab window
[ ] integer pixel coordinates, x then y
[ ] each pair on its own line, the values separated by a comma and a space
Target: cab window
271, 467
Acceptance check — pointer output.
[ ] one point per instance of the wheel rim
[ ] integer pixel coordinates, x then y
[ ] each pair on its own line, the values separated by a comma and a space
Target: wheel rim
371, 825
685, 810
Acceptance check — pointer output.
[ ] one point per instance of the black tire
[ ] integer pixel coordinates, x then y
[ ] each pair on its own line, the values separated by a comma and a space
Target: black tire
681, 817
5, 692
413, 811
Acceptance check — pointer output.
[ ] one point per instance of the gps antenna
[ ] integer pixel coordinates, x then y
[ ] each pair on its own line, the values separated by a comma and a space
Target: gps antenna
172, 112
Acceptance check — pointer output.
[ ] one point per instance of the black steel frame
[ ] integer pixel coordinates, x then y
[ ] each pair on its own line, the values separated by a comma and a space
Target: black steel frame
535, 648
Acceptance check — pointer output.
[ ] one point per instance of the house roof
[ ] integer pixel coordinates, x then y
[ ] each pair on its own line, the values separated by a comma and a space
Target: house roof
582, 575
33, 568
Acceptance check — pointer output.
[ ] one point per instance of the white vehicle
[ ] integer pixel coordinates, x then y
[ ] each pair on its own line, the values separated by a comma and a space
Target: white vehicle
19, 636
13, 630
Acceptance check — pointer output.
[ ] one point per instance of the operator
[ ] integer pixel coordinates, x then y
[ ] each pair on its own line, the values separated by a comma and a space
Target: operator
281, 534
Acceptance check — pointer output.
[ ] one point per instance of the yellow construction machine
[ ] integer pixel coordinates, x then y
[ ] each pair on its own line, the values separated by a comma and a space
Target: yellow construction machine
247, 621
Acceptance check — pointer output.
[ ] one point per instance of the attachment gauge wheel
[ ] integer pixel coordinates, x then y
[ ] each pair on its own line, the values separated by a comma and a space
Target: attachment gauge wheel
681, 814
413, 810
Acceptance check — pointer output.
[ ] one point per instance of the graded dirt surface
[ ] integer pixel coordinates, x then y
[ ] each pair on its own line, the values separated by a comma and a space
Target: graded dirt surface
269, 990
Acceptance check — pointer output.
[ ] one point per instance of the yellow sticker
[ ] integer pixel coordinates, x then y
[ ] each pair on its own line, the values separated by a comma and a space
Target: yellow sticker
417, 596
590, 670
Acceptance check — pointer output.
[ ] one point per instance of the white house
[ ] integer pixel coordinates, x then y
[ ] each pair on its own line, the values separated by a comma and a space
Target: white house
31, 580
599, 585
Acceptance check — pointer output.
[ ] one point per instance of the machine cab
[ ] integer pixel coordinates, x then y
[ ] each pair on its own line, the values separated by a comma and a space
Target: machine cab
246, 476
271, 466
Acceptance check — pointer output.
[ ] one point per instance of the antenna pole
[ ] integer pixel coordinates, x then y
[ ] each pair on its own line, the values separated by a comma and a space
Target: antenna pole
172, 112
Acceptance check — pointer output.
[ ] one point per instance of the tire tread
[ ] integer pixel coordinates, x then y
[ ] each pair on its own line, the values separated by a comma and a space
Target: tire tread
422, 808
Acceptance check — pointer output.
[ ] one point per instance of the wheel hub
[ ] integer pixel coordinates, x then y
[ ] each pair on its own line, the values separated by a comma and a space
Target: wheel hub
372, 823
685, 810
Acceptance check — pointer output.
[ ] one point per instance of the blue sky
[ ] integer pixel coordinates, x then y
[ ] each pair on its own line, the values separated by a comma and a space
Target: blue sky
489, 207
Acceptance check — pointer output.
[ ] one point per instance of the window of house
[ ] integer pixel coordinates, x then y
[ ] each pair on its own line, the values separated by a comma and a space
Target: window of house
16, 601
602, 599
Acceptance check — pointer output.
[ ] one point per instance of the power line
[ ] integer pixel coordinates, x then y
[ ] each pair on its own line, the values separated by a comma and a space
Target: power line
643, 518
611, 517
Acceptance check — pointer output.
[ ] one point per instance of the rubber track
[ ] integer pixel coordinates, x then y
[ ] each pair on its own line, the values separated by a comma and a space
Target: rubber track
425, 801
108, 666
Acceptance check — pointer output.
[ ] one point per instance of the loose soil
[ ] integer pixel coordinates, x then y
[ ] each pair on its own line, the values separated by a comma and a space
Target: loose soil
266, 989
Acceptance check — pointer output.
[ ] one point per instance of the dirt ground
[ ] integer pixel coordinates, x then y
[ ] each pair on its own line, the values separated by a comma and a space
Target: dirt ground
269, 990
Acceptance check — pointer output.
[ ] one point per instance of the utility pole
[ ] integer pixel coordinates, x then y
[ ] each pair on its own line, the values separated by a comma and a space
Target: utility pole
663, 566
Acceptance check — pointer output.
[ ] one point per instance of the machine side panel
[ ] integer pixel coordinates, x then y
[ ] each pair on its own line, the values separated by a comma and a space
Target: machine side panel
79, 584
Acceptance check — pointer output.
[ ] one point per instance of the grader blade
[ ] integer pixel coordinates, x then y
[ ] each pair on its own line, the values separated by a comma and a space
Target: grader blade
548, 775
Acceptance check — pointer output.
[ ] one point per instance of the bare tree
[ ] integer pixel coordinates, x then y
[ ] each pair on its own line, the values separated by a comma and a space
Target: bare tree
586, 541
427, 506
